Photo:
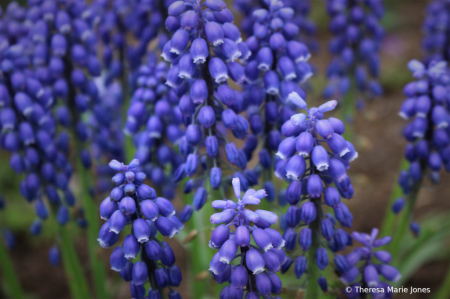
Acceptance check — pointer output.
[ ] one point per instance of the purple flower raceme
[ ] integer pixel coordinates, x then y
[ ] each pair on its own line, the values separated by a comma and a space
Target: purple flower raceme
119, 21
134, 203
34, 116
253, 270
203, 52
435, 27
276, 67
153, 121
298, 24
314, 161
428, 135
357, 36
372, 265
307, 27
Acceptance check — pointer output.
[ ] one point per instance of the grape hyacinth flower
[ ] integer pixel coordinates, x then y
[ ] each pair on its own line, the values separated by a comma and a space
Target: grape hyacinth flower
298, 24
253, 270
203, 52
427, 110
277, 66
134, 203
371, 264
357, 36
153, 122
435, 28
306, 26
33, 114
313, 159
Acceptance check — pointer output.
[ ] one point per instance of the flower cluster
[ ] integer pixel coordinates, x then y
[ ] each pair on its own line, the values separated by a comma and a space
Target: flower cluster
203, 51
358, 33
277, 66
307, 27
104, 122
135, 203
361, 261
154, 104
34, 116
312, 170
255, 272
427, 108
306, 30
436, 29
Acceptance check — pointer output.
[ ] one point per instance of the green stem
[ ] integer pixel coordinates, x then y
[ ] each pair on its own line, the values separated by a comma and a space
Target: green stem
92, 216
198, 257
72, 266
388, 224
90, 207
312, 287
11, 284
405, 218
444, 290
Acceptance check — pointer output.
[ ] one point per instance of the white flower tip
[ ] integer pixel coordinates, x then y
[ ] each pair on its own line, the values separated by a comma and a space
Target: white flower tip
343, 152
258, 270
403, 115
297, 100
269, 246
354, 157
323, 166
213, 271
224, 260
283, 157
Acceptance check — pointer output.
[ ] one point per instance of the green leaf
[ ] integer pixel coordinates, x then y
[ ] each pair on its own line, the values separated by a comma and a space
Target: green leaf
426, 248
444, 290
92, 216
11, 282
75, 276
388, 224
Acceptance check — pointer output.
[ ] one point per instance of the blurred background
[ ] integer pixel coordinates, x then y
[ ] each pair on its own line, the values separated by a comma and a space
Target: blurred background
378, 141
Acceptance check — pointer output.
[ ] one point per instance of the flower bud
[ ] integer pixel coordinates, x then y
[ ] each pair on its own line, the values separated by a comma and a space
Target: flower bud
214, 33
165, 226
216, 266
130, 247
127, 206
263, 284
153, 250
300, 266
117, 259
140, 274
217, 68
295, 167
228, 251
141, 230
309, 212
117, 222
199, 198
254, 261
219, 236
199, 51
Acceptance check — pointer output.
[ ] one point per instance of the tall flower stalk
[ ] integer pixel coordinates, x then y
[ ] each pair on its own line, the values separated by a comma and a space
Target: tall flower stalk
252, 271
135, 203
276, 68
427, 134
353, 72
318, 178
